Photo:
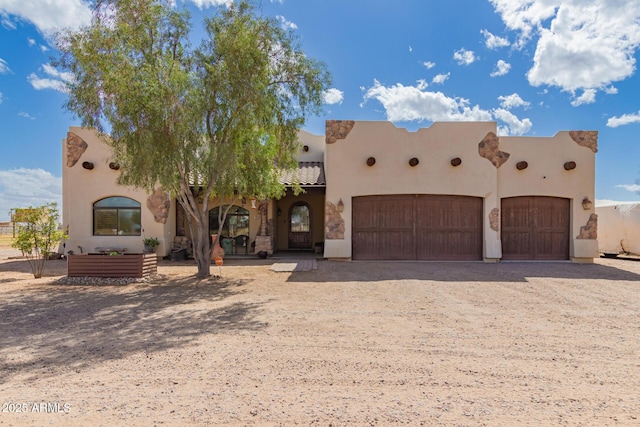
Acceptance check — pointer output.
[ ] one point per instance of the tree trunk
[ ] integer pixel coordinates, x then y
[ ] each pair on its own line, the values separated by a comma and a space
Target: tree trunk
202, 251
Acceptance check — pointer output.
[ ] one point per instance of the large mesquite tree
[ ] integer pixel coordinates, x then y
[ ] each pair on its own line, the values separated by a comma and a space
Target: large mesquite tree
219, 120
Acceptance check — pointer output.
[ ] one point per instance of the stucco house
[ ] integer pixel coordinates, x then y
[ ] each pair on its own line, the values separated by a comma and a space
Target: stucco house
452, 191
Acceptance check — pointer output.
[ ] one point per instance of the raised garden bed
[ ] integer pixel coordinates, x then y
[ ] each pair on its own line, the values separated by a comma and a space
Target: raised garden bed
124, 265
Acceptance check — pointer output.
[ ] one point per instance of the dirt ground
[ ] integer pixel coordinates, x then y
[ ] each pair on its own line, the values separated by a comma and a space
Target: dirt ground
451, 344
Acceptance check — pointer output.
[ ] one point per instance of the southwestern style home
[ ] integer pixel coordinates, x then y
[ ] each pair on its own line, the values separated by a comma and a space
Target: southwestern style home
452, 191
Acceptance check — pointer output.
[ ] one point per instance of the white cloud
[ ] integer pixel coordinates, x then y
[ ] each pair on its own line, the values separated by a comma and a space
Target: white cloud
48, 16
0, 97
492, 41
277, 1
409, 103
429, 65
587, 97
512, 124
6, 22
581, 44
440, 78
410, 49
26, 115
502, 68
413, 103
31, 42
611, 90
21, 188
55, 83
625, 119
4, 67
634, 188
207, 3
464, 56
43, 48
285, 24
333, 96
512, 101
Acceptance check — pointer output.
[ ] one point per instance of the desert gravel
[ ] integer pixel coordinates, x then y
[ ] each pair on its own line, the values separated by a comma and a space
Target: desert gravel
351, 343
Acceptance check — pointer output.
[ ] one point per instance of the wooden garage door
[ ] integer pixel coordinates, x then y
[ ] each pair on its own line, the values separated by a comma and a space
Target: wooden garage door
535, 228
417, 227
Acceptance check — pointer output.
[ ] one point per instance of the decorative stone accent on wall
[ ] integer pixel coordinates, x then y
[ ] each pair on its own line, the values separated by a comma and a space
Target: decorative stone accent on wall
589, 231
159, 203
264, 243
488, 148
337, 129
76, 147
264, 225
586, 138
333, 223
494, 219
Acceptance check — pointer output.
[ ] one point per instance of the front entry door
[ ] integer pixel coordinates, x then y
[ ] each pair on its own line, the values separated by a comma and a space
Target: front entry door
300, 226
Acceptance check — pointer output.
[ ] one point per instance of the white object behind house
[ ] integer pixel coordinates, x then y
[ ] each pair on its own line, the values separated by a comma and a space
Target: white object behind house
619, 228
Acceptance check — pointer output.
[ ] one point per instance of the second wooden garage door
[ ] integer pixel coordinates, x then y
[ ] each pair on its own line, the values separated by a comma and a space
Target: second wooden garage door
417, 227
535, 228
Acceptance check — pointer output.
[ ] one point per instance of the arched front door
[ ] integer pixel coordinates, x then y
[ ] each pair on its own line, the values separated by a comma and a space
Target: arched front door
300, 226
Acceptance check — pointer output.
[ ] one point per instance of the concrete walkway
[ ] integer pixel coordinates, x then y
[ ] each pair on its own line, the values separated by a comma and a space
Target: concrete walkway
289, 265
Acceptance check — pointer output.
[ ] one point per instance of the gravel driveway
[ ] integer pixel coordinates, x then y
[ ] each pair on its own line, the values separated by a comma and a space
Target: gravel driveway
347, 344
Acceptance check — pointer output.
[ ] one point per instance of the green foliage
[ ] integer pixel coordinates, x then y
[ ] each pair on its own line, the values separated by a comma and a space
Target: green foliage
38, 235
152, 242
215, 121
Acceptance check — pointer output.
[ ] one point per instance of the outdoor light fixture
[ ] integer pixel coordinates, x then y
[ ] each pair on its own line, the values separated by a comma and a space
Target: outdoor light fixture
253, 204
279, 212
586, 203
244, 200
340, 206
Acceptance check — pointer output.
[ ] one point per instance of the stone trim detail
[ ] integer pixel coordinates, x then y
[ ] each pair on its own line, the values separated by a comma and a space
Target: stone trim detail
494, 219
337, 129
159, 203
333, 223
590, 230
585, 138
76, 147
488, 148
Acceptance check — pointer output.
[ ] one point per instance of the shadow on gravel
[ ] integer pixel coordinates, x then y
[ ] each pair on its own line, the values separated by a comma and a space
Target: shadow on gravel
365, 271
71, 326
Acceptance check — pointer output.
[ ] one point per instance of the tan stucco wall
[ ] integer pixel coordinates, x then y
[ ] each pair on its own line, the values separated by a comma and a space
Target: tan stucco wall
82, 187
349, 176
546, 176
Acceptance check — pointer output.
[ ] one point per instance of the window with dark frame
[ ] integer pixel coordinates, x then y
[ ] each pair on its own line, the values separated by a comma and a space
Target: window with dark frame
117, 216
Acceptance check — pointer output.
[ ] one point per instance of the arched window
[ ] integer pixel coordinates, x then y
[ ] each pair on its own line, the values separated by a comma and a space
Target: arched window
300, 218
116, 216
236, 224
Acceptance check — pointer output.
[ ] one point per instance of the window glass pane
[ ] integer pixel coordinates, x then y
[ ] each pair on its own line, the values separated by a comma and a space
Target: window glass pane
117, 216
105, 222
300, 218
116, 202
129, 222
236, 223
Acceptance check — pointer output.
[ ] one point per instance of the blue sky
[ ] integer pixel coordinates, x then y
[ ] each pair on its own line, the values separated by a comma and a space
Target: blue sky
534, 66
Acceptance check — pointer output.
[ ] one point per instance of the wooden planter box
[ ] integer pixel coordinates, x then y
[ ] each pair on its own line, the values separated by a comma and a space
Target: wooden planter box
98, 265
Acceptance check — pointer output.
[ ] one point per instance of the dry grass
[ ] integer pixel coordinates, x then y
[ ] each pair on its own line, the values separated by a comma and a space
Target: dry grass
5, 241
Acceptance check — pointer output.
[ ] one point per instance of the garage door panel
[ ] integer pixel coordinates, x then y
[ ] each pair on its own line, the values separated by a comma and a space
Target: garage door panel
535, 228
423, 227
